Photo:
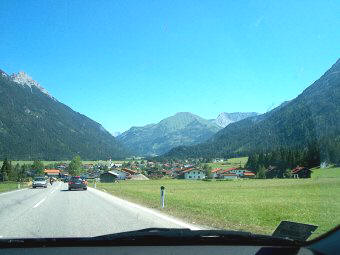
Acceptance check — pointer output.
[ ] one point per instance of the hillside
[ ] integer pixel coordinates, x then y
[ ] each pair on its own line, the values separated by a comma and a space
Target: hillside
225, 118
34, 125
313, 115
183, 128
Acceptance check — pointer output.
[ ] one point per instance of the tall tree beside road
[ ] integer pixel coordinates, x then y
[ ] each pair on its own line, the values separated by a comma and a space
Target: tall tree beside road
38, 167
75, 166
14, 174
6, 170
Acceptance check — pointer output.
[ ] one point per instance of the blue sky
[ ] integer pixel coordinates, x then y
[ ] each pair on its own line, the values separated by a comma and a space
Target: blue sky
130, 63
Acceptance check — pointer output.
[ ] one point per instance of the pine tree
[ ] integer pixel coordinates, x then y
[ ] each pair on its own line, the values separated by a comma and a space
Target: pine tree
6, 170
14, 175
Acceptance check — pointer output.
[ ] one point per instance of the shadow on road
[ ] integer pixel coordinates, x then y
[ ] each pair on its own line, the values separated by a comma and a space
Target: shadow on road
72, 190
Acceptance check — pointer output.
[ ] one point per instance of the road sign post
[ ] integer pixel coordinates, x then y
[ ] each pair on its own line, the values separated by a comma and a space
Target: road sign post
162, 196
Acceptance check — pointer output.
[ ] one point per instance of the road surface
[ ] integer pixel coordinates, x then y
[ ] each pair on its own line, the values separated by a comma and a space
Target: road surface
57, 212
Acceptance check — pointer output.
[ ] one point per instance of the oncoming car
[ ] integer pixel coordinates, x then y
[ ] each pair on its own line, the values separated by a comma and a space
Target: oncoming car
39, 182
76, 182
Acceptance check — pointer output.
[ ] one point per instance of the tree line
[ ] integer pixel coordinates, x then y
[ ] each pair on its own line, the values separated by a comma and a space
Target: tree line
17, 172
278, 163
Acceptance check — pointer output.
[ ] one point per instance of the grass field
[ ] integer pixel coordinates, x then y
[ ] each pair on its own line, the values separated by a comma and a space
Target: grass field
8, 186
233, 162
251, 205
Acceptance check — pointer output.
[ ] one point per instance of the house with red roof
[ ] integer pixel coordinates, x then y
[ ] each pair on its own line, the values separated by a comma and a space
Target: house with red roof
249, 174
192, 174
301, 172
52, 172
129, 171
234, 173
228, 176
215, 172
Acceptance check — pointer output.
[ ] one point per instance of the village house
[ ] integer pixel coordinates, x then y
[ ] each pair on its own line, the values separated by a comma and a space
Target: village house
192, 174
61, 167
248, 174
108, 176
231, 173
217, 160
301, 172
228, 176
121, 175
52, 172
129, 171
215, 172
237, 171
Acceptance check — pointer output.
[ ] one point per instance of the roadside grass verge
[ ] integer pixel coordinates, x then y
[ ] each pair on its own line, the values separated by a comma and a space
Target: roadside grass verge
249, 205
8, 186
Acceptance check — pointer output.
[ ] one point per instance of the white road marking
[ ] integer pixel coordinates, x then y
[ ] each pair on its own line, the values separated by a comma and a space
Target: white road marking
52, 191
9, 192
37, 204
137, 208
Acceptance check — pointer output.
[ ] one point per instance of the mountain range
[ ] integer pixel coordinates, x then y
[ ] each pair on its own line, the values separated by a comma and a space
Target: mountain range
184, 128
312, 116
35, 125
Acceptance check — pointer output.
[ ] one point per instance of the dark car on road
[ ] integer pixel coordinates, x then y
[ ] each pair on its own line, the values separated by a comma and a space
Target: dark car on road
76, 182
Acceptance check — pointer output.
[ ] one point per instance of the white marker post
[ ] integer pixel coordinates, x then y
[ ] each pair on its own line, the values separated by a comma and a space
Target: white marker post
162, 196
95, 184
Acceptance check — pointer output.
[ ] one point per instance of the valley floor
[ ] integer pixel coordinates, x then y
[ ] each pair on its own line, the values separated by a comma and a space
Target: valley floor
250, 205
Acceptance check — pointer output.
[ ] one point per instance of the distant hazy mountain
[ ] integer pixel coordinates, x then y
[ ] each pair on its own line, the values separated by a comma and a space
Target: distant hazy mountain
115, 134
183, 128
313, 115
224, 118
34, 125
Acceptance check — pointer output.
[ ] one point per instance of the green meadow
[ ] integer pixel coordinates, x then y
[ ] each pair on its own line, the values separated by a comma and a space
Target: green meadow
249, 205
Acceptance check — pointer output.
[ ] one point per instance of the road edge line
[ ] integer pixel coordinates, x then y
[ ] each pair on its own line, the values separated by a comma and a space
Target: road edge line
12, 191
150, 211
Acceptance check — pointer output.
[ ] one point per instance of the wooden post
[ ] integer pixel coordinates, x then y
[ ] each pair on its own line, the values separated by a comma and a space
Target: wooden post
162, 196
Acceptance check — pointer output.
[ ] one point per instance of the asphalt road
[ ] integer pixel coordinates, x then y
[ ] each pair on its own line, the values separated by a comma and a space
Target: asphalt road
57, 212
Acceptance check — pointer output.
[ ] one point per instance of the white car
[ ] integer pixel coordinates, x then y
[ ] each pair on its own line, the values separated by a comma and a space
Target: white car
39, 182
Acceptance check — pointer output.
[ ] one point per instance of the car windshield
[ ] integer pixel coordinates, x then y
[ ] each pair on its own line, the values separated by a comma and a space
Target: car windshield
119, 116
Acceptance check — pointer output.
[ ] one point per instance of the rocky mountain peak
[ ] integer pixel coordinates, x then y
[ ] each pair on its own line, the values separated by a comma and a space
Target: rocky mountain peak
224, 118
23, 78
2, 73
